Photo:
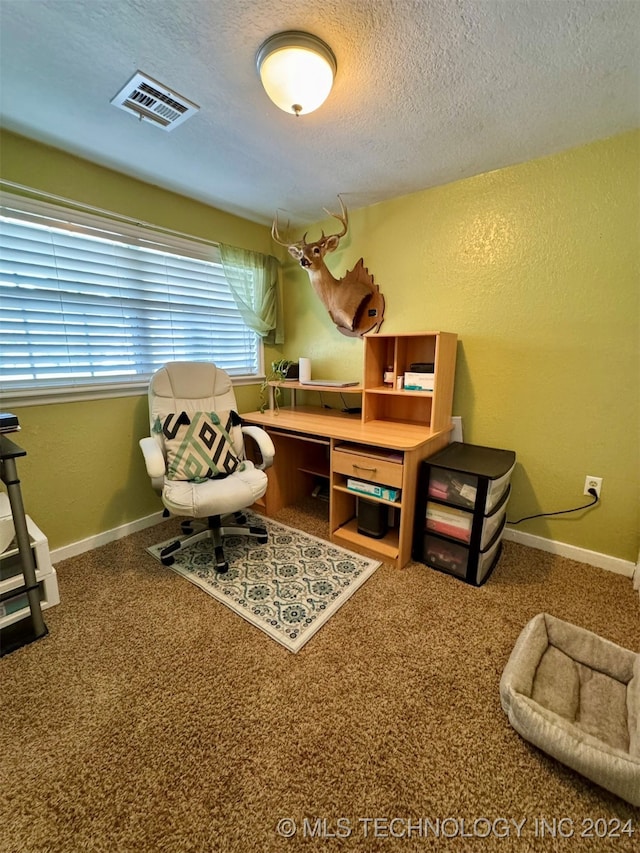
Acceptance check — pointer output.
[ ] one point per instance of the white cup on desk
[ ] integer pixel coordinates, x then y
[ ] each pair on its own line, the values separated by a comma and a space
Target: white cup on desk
304, 369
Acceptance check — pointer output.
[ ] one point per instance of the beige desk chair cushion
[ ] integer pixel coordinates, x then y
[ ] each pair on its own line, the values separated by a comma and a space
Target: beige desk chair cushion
219, 497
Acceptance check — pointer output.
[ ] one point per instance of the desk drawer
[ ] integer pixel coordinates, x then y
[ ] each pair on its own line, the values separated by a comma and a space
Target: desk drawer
369, 468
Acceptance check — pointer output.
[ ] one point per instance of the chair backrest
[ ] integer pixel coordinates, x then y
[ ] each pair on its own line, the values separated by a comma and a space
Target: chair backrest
192, 386
195, 386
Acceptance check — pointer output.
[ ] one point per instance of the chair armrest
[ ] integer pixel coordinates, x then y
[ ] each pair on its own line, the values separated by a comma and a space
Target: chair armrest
264, 442
153, 457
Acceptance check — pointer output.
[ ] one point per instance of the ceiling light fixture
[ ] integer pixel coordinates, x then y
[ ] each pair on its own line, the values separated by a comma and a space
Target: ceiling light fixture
297, 71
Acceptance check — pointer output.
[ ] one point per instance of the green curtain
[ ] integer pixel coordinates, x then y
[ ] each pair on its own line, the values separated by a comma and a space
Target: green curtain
254, 280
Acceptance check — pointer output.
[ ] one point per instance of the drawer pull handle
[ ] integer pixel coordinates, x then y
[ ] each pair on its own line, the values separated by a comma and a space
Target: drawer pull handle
364, 468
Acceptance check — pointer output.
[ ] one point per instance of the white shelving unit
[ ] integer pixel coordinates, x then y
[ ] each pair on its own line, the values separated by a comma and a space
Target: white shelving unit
14, 602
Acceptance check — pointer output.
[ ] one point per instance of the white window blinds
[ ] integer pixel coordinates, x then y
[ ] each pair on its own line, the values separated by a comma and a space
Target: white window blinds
91, 302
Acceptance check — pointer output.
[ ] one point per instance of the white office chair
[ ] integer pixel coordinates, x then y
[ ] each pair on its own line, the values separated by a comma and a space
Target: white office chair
196, 457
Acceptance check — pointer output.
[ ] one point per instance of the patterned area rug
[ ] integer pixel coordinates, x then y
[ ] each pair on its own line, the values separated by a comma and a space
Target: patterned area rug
288, 588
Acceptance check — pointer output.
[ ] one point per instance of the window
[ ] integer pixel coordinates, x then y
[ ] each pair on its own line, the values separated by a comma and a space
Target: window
91, 305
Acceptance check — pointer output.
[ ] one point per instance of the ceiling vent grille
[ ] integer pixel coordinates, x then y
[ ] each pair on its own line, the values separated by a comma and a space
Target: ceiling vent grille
152, 101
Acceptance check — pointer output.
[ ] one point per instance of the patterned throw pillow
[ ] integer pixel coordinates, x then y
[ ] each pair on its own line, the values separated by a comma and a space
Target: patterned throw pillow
199, 445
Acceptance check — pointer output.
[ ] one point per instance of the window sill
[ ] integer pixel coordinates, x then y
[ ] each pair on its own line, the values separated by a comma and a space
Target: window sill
46, 396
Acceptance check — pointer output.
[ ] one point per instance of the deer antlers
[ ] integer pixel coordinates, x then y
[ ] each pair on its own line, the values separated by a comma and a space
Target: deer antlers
342, 217
276, 235
354, 302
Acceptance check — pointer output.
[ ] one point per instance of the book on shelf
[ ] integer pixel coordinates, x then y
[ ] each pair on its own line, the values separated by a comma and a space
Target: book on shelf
373, 489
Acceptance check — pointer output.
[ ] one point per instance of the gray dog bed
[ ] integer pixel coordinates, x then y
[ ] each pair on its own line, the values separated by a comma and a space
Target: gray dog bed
576, 696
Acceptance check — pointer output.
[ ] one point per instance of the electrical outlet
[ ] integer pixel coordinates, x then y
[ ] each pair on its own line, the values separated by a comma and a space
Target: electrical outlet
593, 483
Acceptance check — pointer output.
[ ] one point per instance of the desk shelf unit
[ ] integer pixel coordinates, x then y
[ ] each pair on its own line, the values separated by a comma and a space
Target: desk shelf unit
374, 468
293, 386
390, 404
382, 446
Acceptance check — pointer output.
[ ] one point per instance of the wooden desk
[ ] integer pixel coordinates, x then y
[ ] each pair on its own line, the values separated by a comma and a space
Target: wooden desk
312, 442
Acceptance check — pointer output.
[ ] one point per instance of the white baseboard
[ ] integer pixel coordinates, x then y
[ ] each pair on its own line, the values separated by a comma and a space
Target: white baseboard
572, 552
92, 542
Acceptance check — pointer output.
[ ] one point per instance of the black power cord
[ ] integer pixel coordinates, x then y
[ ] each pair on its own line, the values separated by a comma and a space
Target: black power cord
348, 410
595, 500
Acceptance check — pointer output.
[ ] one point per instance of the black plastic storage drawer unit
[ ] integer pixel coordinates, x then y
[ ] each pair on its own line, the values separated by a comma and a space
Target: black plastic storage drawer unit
461, 510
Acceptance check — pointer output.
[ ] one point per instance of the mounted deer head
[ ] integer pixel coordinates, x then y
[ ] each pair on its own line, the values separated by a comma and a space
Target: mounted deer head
354, 302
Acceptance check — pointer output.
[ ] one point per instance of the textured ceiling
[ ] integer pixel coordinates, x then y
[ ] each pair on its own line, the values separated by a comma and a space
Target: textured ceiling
427, 91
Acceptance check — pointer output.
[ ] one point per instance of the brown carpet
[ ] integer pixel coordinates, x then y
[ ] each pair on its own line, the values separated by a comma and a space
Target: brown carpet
152, 718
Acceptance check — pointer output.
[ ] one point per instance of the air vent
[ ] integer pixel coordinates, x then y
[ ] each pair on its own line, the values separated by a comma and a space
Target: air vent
149, 100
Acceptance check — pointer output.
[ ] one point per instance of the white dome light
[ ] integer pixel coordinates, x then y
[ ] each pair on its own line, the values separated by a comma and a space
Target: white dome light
297, 71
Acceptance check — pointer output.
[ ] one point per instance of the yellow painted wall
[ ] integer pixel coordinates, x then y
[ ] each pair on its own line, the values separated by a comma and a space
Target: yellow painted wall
537, 268
84, 473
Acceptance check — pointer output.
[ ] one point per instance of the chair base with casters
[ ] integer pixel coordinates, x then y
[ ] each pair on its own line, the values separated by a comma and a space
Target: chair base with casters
214, 530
